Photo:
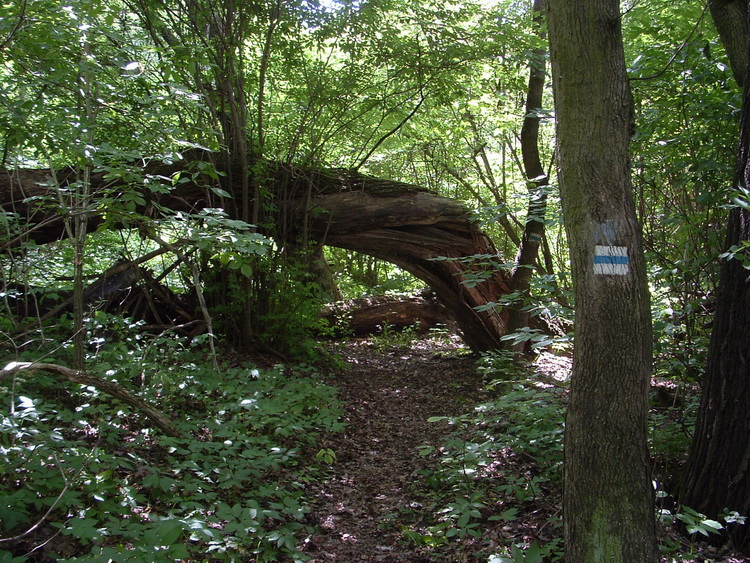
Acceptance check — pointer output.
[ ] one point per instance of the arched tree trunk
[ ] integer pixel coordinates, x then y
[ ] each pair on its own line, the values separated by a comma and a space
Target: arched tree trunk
432, 237
429, 236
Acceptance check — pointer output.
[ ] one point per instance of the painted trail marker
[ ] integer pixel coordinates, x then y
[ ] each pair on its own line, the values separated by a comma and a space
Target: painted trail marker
611, 260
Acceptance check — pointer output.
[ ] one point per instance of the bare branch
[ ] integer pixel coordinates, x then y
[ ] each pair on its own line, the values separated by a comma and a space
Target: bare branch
161, 421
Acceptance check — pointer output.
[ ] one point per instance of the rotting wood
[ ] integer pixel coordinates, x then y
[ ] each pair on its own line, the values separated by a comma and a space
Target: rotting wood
430, 236
370, 315
128, 289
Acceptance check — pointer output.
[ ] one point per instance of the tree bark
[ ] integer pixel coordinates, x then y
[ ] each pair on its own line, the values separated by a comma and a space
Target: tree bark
730, 19
717, 475
608, 497
432, 237
428, 236
718, 468
537, 181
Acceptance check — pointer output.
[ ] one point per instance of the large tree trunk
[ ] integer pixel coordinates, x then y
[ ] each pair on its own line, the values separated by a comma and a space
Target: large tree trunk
430, 236
718, 468
730, 19
608, 498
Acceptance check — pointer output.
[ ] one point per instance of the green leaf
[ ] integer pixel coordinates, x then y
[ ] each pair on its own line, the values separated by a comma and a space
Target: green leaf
84, 529
509, 515
164, 532
438, 419
533, 554
221, 193
8, 557
10, 518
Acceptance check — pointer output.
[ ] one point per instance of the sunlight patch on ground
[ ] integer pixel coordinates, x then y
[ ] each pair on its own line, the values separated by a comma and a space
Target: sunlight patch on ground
554, 367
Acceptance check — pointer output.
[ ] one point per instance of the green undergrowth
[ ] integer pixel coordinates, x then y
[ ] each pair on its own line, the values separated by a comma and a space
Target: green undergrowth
84, 478
493, 485
492, 490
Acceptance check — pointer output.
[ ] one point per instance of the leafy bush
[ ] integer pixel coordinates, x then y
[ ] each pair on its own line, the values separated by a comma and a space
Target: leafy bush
521, 428
106, 488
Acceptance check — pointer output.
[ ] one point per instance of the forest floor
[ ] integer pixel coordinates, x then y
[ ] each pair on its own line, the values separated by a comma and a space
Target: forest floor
445, 457
375, 496
376, 491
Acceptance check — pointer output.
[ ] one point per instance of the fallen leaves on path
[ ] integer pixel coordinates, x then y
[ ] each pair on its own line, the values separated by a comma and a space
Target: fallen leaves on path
376, 489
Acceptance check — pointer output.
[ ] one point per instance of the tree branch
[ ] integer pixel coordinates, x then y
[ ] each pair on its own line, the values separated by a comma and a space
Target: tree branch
392, 131
161, 421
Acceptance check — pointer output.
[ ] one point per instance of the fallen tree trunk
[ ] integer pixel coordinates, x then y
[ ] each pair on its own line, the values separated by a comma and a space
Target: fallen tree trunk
372, 315
430, 236
129, 290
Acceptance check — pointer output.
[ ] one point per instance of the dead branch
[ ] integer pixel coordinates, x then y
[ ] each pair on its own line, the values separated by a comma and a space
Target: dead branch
161, 421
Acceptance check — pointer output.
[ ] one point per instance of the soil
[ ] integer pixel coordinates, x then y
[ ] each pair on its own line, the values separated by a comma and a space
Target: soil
376, 490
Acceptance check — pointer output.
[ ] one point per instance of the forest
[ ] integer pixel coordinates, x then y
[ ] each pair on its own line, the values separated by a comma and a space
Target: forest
374, 280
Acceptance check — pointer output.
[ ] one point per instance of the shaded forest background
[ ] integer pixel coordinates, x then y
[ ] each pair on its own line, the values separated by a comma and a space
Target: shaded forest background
187, 181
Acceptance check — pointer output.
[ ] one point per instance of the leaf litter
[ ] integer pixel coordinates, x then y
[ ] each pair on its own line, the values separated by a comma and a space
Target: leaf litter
376, 506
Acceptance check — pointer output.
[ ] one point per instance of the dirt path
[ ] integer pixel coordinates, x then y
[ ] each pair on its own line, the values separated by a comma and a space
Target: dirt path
389, 396
373, 493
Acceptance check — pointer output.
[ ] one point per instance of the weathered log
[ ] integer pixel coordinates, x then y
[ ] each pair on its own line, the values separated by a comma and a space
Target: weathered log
430, 236
129, 289
372, 315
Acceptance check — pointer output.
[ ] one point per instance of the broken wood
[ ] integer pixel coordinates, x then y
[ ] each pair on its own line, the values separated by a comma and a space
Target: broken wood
430, 236
372, 315
129, 289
